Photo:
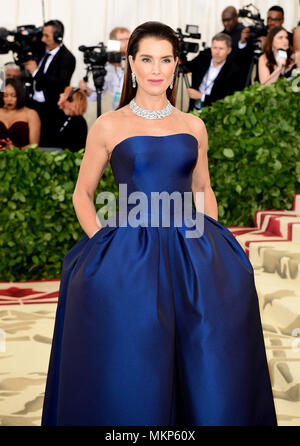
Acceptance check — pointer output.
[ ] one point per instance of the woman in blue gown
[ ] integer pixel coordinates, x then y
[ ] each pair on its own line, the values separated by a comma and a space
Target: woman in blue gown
155, 327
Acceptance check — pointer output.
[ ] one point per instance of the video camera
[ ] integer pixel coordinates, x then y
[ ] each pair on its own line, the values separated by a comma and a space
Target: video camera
257, 30
25, 43
96, 57
188, 47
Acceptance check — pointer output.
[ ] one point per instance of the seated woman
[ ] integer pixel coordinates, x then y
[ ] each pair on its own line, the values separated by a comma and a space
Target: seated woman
19, 125
277, 59
73, 127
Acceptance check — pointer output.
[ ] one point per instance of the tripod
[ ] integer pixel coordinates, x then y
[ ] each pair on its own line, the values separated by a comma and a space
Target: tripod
253, 65
182, 79
99, 73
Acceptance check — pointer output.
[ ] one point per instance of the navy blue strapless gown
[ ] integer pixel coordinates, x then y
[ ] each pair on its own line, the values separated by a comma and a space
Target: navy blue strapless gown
154, 328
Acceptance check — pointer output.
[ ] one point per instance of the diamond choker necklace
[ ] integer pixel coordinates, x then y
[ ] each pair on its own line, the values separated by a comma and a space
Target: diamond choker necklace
151, 114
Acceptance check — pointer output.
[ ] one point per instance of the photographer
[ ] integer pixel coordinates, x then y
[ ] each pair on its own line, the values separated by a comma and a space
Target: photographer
277, 59
115, 71
213, 75
50, 77
232, 26
242, 54
275, 18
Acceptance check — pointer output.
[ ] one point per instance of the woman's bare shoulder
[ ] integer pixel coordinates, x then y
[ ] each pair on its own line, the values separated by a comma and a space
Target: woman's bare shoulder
31, 113
107, 126
108, 120
262, 58
194, 123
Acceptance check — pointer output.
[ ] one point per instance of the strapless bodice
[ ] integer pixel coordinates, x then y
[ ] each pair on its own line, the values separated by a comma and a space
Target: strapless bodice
155, 163
18, 133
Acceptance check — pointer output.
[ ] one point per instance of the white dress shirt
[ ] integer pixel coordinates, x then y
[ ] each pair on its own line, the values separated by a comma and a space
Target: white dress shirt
242, 45
208, 82
39, 95
113, 82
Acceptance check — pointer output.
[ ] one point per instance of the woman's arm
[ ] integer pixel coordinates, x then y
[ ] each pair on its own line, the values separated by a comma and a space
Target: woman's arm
200, 178
297, 57
265, 78
296, 39
34, 124
92, 167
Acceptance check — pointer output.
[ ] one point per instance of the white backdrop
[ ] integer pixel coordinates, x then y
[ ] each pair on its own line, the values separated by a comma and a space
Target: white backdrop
88, 22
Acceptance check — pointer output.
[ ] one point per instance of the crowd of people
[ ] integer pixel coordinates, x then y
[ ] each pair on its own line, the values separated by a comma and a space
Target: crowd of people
236, 58
50, 112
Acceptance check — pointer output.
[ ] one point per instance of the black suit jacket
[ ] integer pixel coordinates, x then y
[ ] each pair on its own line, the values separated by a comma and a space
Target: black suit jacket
226, 83
57, 76
241, 57
73, 134
235, 34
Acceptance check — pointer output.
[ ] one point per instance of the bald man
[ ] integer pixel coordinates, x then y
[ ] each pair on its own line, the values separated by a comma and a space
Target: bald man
232, 26
241, 54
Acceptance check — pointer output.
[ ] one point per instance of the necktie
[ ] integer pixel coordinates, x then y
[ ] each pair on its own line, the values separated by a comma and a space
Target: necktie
42, 67
40, 74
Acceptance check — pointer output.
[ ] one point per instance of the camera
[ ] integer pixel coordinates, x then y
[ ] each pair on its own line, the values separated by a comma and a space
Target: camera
186, 47
25, 43
96, 57
257, 30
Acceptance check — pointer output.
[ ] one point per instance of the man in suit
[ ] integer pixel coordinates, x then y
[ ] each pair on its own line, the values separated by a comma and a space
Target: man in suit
242, 53
275, 17
213, 75
50, 77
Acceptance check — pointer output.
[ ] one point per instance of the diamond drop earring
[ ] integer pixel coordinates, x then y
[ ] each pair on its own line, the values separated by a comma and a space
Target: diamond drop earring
133, 79
172, 83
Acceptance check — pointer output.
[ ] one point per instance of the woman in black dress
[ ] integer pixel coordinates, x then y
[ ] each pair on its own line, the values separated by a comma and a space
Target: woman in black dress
278, 58
19, 125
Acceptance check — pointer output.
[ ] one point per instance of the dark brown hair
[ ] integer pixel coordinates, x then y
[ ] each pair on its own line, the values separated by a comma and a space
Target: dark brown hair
268, 48
148, 29
19, 87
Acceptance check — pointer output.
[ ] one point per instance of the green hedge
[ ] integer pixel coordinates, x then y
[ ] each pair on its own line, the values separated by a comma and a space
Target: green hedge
254, 160
254, 150
38, 224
